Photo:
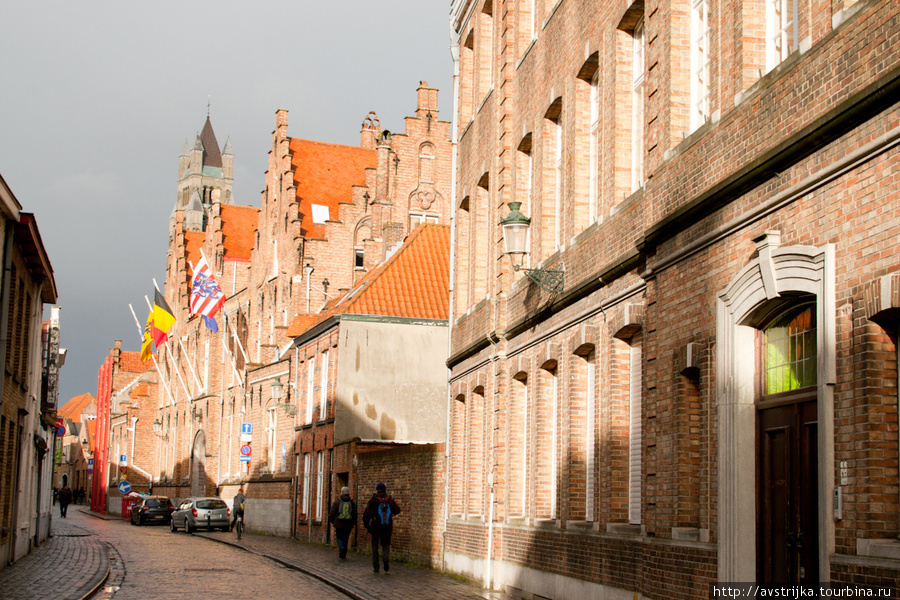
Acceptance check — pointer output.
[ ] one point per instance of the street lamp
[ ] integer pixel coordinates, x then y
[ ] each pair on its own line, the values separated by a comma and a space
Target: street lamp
277, 390
158, 430
515, 241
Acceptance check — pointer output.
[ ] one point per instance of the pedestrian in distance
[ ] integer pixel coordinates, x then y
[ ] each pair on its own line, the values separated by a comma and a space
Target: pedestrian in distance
65, 498
237, 507
343, 516
379, 521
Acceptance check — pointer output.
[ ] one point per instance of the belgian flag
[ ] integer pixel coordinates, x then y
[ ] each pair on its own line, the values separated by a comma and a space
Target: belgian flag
163, 319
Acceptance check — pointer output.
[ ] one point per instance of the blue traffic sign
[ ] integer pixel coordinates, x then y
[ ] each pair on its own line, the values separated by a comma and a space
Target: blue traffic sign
124, 487
247, 428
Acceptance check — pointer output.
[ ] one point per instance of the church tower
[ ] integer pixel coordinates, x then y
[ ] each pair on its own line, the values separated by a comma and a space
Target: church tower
202, 167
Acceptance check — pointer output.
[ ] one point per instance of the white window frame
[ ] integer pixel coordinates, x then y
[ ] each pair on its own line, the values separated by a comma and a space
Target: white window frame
699, 63
320, 484
590, 407
634, 434
558, 173
554, 424
782, 31
271, 434
593, 155
310, 387
637, 107
307, 466
323, 384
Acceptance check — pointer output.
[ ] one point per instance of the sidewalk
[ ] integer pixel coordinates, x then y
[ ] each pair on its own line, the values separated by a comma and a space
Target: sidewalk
71, 565
354, 575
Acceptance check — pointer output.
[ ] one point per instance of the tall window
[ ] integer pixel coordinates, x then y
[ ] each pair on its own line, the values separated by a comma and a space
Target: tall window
320, 484
699, 63
457, 455
634, 431
323, 388
637, 107
594, 153
557, 181
270, 434
782, 30
310, 388
547, 440
518, 446
307, 467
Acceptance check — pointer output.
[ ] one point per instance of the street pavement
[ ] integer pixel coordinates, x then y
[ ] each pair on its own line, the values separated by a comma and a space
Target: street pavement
89, 555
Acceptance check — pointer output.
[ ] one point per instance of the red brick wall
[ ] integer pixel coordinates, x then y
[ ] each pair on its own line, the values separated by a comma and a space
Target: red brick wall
414, 476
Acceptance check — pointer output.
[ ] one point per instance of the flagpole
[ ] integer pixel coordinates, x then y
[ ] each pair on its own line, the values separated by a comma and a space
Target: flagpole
168, 355
155, 364
238, 340
189, 362
237, 375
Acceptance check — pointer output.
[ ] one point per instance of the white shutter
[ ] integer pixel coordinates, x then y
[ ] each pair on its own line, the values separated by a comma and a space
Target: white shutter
634, 437
589, 441
555, 442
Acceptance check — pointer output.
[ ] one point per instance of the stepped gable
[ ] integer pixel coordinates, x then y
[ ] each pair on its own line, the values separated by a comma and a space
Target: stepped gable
130, 362
325, 174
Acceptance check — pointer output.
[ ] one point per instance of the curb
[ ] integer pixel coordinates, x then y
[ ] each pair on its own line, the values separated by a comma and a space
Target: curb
100, 580
343, 588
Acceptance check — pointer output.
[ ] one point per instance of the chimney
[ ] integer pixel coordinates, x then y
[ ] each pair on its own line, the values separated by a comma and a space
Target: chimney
426, 101
371, 126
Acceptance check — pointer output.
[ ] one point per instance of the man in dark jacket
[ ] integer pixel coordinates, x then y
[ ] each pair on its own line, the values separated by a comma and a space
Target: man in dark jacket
65, 497
343, 516
379, 521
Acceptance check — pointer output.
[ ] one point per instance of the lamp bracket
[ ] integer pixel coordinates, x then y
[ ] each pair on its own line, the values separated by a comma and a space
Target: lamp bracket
549, 280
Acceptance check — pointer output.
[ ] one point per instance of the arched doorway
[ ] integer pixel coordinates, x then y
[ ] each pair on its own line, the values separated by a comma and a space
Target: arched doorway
198, 465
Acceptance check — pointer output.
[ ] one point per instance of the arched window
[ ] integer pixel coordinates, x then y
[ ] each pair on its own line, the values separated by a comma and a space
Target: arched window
789, 351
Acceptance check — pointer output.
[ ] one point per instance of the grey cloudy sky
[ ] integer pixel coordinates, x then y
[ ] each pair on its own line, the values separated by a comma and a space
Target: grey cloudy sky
98, 97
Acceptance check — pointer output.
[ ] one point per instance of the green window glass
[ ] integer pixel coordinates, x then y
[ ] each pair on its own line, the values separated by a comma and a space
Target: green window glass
790, 351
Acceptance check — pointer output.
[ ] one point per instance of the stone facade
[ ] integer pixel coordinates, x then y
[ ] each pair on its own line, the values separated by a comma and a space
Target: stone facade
696, 179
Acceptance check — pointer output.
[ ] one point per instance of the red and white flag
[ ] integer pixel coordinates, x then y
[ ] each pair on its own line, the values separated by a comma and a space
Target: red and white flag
206, 295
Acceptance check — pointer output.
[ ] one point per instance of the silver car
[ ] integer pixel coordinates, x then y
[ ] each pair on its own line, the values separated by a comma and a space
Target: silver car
200, 513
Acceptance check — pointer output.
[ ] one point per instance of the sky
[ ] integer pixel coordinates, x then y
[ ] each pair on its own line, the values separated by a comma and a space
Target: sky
98, 98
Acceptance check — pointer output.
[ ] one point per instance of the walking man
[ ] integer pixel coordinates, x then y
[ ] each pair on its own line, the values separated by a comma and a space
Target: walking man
238, 507
379, 521
343, 516
65, 497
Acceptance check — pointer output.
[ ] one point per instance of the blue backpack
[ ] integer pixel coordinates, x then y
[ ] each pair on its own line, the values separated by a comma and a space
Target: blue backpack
383, 510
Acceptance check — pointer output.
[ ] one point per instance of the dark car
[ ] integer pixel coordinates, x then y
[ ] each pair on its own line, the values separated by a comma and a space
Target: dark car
152, 509
195, 513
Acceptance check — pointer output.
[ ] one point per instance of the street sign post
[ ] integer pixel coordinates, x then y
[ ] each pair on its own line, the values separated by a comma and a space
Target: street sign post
245, 453
124, 487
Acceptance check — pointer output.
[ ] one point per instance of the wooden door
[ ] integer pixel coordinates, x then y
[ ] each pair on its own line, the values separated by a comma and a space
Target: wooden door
787, 500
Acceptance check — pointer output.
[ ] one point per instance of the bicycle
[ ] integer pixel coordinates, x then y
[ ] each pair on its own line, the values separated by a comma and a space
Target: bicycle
240, 522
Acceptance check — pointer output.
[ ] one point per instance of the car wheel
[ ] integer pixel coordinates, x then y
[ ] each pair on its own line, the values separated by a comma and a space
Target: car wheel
139, 522
172, 526
188, 528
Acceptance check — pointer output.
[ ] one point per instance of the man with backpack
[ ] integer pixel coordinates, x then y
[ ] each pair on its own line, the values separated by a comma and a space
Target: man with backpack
343, 516
379, 521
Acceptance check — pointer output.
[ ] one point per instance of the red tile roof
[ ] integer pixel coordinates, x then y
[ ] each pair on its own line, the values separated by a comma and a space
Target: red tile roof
238, 230
74, 407
193, 243
300, 323
413, 283
130, 362
325, 174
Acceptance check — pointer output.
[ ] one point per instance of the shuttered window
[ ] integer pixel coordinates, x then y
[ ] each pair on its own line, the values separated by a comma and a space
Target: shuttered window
634, 434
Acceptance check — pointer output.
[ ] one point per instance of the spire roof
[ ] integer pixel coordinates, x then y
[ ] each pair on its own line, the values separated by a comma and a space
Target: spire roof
211, 155
228, 150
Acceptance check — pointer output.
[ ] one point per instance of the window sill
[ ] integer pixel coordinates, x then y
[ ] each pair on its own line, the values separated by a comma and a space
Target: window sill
625, 529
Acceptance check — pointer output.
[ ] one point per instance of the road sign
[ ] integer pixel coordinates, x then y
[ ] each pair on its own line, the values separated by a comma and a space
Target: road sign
90, 462
124, 487
60, 431
123, 469
247, 428
245, 453
123, 458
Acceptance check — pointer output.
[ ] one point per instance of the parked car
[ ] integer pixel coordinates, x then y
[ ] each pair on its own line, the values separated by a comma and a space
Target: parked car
152, 509
198, 513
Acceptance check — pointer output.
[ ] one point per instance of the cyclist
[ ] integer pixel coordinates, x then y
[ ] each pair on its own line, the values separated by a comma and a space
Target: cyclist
237, 507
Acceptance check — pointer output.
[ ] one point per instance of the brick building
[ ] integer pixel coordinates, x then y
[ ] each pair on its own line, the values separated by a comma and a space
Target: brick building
29, 383
79, 417
703, 385
328, 215
369, 374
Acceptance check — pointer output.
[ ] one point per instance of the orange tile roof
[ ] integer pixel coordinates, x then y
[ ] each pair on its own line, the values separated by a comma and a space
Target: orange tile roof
130, 362
193, 243
74, 407
413, 283
299, 324
325, 174
239, 230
